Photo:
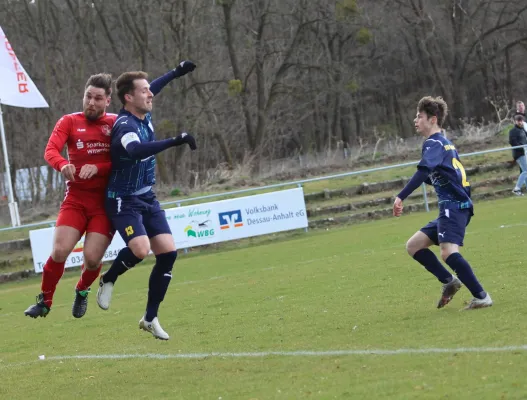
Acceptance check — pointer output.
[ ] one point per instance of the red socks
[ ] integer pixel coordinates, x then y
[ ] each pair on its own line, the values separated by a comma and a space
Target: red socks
88, 277
50, 277
52, 273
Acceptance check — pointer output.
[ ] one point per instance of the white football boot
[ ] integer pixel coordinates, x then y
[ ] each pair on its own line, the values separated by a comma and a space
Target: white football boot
104, 294
479, 303
154, 328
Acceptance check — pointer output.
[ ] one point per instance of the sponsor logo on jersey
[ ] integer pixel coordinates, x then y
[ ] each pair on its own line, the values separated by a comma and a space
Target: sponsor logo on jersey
106, 130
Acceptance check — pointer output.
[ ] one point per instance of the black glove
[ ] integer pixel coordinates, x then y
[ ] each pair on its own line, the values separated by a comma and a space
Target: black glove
184, 68
186, 138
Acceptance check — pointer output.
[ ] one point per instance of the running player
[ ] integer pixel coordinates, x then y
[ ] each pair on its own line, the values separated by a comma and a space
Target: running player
440, 167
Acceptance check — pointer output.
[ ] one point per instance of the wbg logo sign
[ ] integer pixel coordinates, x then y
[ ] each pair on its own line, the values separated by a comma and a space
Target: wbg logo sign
199, 230
230, 219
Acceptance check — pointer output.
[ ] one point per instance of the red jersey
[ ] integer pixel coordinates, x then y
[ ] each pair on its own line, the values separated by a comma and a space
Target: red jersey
88, 143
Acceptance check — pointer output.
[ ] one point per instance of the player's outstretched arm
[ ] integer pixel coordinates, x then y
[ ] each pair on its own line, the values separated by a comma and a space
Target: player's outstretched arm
183, 68
138, 150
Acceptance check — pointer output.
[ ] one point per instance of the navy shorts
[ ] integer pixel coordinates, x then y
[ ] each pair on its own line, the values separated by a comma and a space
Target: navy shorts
449, 227
138, 215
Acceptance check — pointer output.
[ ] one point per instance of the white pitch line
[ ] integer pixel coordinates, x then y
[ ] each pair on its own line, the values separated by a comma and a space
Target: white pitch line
299, 353
513, 225
262, 354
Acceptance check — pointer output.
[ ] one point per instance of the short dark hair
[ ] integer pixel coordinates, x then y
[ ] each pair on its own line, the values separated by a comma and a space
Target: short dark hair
519, 117
125, 83
434, 107
101, 81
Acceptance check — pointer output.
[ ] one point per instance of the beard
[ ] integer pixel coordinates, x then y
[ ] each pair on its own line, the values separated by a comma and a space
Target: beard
92, 115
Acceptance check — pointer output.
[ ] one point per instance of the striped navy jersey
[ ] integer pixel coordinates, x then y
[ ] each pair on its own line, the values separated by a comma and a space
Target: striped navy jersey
446, 173
129, 175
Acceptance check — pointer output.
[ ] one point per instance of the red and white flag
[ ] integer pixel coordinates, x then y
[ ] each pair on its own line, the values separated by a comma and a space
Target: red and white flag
16, 87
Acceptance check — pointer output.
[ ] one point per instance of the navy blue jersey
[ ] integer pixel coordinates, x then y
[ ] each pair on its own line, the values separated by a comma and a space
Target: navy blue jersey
446, 173
130, 175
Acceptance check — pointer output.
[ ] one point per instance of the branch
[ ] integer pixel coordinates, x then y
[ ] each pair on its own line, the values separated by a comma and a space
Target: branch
486, 34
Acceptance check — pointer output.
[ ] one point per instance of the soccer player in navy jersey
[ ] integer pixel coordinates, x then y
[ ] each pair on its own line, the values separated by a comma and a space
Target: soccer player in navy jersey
130, 201
440, 167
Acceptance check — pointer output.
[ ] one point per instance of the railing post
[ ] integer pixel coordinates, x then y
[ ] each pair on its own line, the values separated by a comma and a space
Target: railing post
425, 197
307, 227
185, 249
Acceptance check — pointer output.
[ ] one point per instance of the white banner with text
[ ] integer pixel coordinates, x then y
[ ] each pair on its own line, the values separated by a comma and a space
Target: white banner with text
202, 224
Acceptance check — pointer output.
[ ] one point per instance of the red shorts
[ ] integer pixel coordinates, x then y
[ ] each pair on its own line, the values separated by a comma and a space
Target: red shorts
85, 212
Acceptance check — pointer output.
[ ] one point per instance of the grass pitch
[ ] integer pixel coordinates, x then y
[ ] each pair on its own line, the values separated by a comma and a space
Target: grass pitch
267, 322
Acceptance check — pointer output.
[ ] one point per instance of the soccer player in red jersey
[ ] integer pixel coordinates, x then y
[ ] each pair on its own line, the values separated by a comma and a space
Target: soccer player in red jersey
86, 171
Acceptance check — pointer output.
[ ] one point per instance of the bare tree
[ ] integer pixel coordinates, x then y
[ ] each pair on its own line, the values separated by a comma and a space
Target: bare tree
275, 78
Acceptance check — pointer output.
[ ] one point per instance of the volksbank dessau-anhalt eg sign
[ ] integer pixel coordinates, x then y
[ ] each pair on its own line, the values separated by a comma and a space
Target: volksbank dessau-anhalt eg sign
204, 224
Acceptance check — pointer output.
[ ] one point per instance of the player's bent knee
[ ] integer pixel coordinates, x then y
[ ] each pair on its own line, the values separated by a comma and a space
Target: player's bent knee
141, 252
409, 248
447, 249
418, 242
92, 257
140, 246
445, 253
412, 247
60, 253
91, 263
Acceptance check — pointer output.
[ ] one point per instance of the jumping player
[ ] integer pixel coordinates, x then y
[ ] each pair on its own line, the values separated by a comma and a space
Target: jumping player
131, 203
86, 172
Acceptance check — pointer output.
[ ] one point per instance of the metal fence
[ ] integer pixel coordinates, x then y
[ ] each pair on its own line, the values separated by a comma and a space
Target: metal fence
285, 184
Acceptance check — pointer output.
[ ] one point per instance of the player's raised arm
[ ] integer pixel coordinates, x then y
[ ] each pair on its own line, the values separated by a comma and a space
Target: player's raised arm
183, 68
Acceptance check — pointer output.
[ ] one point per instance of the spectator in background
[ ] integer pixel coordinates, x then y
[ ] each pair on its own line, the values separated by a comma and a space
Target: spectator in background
517, 137
520, 109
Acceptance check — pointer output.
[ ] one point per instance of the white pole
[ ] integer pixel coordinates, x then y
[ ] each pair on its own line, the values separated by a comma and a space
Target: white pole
427, 207
13, 207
